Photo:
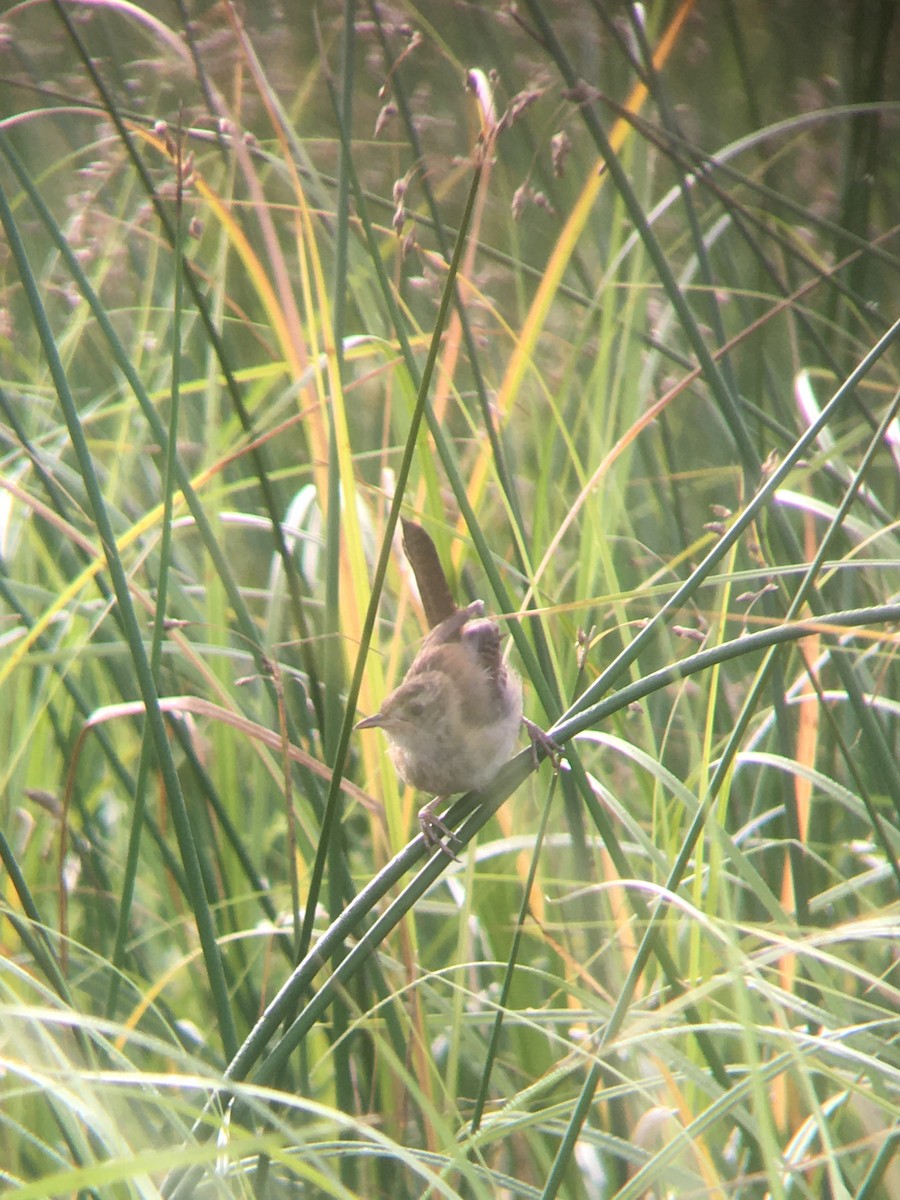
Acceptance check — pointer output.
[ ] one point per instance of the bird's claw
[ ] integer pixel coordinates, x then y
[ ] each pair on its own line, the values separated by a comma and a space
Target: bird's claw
542, 742
435, 830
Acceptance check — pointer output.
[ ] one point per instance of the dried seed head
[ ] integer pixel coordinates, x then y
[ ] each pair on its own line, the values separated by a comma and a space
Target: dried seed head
519, 200
517, 106
560, 145
525, 195
388, 112
692, 635
415, 41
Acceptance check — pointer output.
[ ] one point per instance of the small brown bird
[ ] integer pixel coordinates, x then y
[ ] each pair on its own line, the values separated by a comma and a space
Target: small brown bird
453, 721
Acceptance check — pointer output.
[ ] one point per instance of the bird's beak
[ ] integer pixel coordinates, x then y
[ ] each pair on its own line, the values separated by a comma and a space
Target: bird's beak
374, 722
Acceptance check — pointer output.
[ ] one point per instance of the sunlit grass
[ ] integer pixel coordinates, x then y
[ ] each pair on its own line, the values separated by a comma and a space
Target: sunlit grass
650, 419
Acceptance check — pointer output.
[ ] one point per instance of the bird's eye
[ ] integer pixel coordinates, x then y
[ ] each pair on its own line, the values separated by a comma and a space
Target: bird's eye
416, 708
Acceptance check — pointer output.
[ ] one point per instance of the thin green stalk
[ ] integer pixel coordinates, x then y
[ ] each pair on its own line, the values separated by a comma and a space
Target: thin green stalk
457, 484
505, 478
736, 530
123, 361
83, 707
421, 409
337, 842
257, 454
649, 942
682, 862
876, 1173
32, 931
132, 855
490, 1053
481, 807
871, 727
143, 672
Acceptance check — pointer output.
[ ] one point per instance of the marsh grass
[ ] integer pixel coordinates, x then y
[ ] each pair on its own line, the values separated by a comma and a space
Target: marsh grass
625, 345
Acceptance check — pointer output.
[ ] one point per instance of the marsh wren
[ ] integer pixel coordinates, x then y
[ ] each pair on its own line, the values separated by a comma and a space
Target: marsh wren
453, 721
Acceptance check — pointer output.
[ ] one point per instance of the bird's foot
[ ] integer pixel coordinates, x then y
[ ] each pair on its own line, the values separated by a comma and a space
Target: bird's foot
435, 830
542, 744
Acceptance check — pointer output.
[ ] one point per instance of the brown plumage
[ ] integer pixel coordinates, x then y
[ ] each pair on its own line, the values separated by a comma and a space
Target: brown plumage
453, 721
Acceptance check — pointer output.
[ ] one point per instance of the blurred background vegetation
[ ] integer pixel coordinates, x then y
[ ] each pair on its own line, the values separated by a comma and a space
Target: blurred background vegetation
605, 297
